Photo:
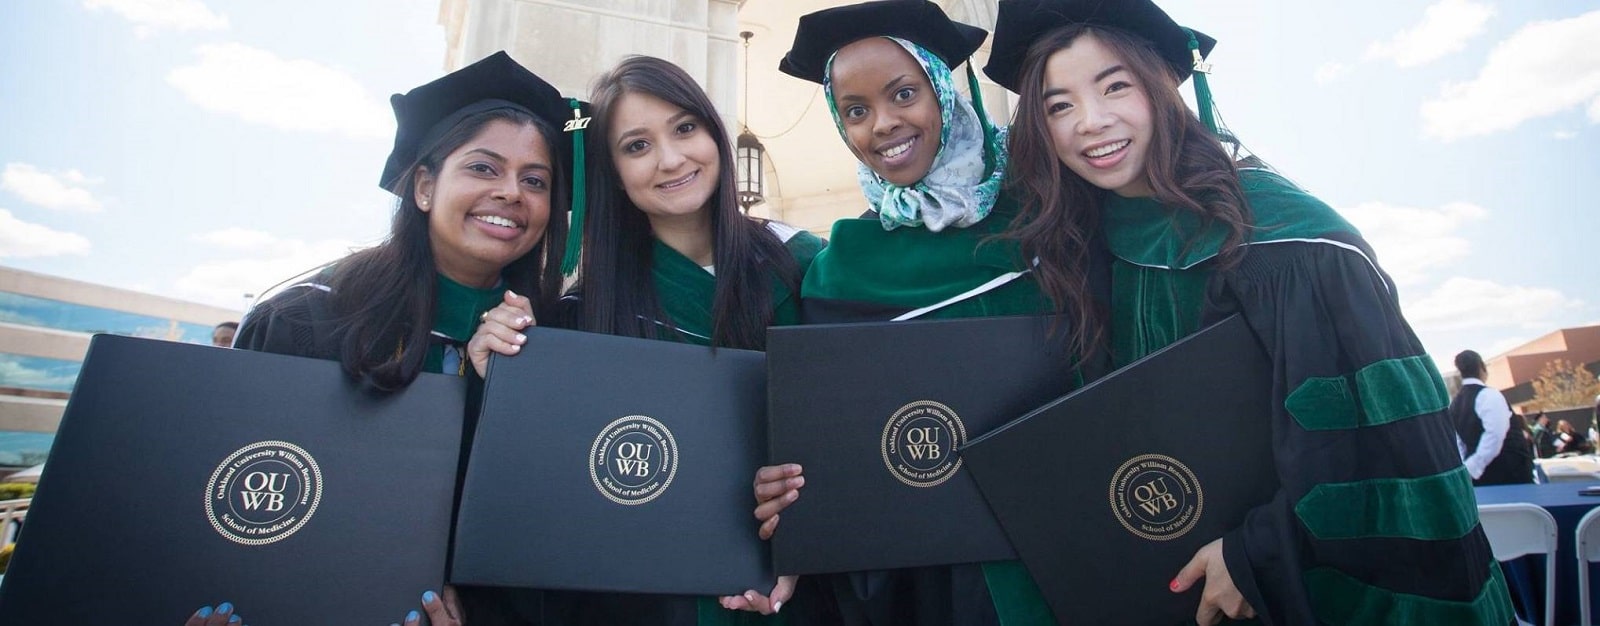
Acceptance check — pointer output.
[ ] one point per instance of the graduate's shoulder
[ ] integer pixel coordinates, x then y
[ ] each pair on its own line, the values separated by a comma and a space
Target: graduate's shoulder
1282, 210
802, 244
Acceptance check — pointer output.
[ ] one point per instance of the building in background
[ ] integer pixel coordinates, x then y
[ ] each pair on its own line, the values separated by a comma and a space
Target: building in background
810, 175
45, 325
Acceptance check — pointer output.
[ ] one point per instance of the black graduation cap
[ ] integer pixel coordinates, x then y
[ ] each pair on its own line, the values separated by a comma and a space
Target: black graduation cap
497, 81
1021, 22
427, 112
919, 21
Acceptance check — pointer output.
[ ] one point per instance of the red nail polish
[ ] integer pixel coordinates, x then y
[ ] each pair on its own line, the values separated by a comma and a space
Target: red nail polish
1173, 585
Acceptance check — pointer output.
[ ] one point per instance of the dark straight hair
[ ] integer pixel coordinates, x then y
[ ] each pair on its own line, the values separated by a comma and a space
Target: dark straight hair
1469, 364
619, 293
385, 297
1186, 165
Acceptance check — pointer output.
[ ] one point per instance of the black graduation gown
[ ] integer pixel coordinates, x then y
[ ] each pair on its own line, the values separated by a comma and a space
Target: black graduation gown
299, 321
1376, 521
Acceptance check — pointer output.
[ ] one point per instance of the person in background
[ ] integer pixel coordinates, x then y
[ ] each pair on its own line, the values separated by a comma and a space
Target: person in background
1569, 440
1493, 441
1544, 436
222, 335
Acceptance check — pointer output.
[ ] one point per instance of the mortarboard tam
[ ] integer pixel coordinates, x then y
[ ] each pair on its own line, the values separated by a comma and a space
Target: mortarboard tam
824, 32
1022, 22
426, 113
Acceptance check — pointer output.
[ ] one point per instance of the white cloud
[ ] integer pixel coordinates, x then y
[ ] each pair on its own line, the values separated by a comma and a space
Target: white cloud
1468, 303
60, 190
19, 239
290, 94
150, 16
1564, 134
271, 260
1445, 28
238, 239
1542, 69
1413, 242
1331, 71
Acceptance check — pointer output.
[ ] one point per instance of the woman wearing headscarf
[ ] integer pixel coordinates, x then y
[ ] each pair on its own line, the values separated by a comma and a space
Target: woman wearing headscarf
932, 168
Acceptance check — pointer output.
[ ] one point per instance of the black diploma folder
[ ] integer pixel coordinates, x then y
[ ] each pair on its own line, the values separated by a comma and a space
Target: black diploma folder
1108, 492
184, 476
616, 464
874, 412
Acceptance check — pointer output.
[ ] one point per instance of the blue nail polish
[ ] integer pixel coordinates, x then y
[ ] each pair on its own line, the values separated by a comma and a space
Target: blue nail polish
225, 607
205, 611
234, 620
427, 597
412, 617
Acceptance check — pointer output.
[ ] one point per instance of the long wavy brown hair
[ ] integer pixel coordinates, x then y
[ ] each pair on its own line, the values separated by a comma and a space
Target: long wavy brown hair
1059, 220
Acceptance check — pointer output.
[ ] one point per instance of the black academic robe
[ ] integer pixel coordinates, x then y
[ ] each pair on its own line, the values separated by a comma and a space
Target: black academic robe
1376, 521
869, 274
685, 292
299, 321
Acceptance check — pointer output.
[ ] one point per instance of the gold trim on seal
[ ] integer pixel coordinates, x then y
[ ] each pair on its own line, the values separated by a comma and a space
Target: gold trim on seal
311, 491
1183, 495
947, 419
669, 447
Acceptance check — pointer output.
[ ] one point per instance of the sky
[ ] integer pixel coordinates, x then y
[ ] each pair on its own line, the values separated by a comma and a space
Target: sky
206, 149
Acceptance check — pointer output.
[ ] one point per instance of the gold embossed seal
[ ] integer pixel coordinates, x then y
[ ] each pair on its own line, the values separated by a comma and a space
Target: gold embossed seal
633, 460
919, 443
1156, 497
263, 492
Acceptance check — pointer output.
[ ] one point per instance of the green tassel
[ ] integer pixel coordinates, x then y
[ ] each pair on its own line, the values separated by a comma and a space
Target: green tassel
1202, 87
569, 261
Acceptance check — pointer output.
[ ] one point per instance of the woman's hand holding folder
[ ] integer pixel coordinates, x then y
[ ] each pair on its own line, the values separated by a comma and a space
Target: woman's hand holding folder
500, 331
776, 487
1220, 596
443, 610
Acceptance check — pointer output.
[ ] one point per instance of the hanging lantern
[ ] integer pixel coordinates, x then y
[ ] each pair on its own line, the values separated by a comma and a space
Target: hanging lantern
748, 156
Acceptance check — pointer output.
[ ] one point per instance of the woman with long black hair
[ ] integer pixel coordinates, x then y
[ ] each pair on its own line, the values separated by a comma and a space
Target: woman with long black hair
482, 177
668, 255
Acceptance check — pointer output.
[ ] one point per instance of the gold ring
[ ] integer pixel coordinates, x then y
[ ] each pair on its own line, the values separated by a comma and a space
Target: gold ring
484, 317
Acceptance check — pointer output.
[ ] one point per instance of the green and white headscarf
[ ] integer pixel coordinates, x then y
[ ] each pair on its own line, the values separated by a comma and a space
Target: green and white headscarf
961, 187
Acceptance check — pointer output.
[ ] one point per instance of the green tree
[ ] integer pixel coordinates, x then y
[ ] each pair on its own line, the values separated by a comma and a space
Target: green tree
1564, 385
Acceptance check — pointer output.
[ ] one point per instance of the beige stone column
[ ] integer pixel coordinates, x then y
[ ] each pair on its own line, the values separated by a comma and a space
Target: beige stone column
569, 42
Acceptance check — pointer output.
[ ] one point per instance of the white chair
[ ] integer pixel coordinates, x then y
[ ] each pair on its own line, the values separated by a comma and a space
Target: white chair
1518, 529
1588, 542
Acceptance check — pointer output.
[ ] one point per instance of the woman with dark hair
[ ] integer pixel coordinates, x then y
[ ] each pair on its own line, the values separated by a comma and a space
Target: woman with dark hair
482, 179
1570, 440
1374, 522
669, 256
472, 228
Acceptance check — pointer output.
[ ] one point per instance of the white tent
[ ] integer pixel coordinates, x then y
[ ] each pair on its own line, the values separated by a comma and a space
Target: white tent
30, 475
